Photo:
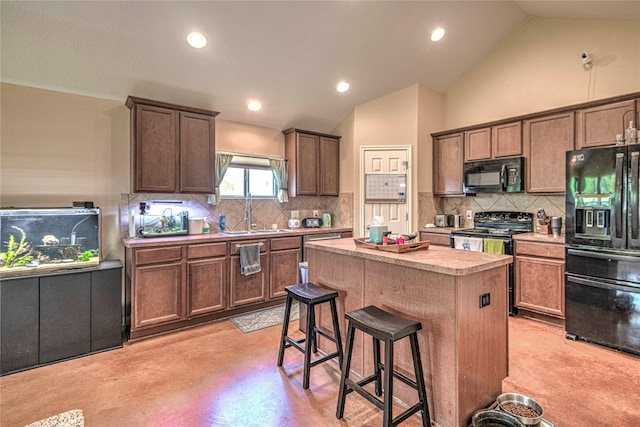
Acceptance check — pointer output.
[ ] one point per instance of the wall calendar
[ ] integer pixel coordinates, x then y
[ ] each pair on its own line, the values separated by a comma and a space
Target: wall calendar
385, 188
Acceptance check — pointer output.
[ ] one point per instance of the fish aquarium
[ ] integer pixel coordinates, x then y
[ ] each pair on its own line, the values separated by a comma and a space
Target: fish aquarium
37, 241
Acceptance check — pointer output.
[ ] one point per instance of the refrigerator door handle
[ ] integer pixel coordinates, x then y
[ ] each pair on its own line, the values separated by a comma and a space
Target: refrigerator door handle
618, 196
633, 195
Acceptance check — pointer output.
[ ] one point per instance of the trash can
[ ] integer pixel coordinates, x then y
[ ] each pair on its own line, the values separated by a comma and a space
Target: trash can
304, 272
302, 309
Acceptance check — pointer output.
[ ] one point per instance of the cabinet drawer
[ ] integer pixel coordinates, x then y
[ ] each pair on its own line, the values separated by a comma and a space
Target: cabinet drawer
281, 243
236, 251
207, 250
158, 255
436, 238
540, 249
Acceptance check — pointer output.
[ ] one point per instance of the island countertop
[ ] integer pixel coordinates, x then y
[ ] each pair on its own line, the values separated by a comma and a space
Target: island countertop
437, 259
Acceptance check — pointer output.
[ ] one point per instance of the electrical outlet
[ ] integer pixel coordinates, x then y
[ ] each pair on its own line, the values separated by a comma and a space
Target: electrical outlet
485, 300
295, 214
469, 214
316, 214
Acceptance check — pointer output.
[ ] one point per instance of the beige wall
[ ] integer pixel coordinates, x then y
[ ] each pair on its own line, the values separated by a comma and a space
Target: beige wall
539, 68
57, 148
405, 117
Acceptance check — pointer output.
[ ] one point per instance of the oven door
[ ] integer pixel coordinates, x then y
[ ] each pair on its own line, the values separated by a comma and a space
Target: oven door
603, 311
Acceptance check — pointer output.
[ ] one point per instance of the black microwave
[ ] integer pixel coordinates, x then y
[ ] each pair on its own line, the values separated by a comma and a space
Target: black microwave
494, 176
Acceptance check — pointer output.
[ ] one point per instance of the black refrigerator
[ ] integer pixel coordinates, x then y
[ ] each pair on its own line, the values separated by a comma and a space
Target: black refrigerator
602, 234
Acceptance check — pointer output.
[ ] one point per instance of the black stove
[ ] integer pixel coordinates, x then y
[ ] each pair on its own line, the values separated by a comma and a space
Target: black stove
497, 225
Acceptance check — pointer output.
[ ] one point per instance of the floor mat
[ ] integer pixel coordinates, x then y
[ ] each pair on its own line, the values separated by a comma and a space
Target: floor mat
257, 320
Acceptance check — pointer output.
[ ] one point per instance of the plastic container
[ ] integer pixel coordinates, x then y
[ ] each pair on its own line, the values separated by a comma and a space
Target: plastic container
195, 225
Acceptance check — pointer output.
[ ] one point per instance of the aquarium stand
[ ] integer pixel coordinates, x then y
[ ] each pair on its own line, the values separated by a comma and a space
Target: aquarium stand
51, 317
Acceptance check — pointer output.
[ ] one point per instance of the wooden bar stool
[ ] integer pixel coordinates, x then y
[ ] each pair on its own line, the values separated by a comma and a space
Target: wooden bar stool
383, 326
310, 295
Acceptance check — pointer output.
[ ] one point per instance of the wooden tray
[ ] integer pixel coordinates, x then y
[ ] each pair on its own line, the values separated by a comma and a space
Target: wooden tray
363, 242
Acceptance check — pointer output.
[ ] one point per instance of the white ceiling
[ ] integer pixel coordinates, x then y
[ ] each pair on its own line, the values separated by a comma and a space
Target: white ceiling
289, 55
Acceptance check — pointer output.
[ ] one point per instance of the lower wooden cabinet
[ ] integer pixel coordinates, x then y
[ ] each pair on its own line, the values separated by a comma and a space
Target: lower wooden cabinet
181, 285
57, 316
539, 278
285, 258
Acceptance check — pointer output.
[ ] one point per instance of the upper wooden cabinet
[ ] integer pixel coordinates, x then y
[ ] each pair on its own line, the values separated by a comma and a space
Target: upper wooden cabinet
172, 147
599, 125
503, 140
546, 141
477, 144
314, 163
447, 164
506, 139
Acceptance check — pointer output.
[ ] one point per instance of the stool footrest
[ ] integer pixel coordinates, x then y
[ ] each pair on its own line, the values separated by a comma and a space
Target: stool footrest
295, 343
325, 334
324, 359
408, 381
355, 386
406, 414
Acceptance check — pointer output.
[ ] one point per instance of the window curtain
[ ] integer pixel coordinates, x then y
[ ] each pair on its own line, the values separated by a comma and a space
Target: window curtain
281, 175
223, 161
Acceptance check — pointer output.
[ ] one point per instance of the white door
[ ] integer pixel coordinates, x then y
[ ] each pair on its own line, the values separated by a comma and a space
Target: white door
392, 162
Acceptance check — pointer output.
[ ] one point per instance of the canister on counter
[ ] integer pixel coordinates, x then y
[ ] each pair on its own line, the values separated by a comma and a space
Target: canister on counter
222, 222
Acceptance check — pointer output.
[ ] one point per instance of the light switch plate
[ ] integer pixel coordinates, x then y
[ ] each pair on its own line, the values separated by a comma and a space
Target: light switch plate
316, 214
295, 214
469, 214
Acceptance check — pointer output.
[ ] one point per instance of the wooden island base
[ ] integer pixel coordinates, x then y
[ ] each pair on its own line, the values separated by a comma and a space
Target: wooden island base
463, 347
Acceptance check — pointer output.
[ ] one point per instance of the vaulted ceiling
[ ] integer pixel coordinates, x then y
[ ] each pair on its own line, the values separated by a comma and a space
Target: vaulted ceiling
289, 55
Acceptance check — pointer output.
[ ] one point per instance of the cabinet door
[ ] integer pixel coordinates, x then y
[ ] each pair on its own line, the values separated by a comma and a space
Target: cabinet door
599, 125
19, 325
206, 286
447, 165
307, 165
157, 295
252, 288
65, 316
106, 308
285, 271
329, 166
197, 153
506, 140
156, 150
539, 285
546, 141
477, 144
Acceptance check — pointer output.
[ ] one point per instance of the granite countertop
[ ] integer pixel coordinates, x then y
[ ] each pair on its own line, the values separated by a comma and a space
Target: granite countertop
541, 238
439, 259
137, 242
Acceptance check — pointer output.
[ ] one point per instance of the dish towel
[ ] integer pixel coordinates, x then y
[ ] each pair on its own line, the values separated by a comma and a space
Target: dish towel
250, 258
494, 246
473, 244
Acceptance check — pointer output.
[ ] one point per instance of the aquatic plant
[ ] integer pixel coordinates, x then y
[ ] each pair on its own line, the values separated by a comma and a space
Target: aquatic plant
16, 251
23, 260
85, 256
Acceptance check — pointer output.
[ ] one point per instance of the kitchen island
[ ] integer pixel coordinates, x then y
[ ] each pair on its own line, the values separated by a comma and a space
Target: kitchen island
463, 346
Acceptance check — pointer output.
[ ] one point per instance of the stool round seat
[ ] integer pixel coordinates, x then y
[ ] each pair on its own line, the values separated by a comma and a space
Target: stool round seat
386, 327
310, 295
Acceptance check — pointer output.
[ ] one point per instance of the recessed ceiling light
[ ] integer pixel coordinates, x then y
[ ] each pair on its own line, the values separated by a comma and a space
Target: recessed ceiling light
197, 40
437, 34
342, 87
254, 105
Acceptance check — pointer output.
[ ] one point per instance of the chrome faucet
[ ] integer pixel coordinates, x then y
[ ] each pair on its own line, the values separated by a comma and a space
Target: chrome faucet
247, 212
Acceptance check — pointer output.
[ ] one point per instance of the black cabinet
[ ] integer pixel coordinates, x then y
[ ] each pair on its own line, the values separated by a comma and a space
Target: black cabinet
60, 315
19, 317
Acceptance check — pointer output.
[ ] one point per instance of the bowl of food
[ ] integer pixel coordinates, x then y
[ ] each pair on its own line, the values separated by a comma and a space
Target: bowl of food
525, 409
494, 418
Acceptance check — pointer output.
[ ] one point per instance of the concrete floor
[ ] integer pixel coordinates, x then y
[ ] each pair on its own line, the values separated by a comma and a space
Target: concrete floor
215, 375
